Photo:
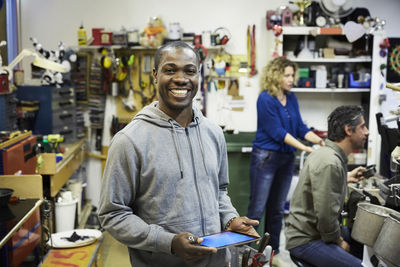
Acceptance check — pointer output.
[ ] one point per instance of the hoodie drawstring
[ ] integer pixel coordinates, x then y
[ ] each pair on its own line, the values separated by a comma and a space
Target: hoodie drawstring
201, 145
176, 147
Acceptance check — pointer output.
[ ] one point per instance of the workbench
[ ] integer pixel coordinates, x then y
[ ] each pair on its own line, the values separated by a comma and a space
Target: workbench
52, 182
73, 157
47, 186
20, 230
85, 256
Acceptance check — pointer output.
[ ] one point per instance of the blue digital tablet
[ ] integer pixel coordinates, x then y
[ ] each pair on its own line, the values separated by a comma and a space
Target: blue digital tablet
227, 239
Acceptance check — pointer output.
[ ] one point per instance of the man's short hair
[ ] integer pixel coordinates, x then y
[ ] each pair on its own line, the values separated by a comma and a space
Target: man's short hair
342, 116
174, 44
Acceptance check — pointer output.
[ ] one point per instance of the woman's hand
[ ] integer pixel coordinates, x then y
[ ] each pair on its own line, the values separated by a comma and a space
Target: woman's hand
321, 142
308, 149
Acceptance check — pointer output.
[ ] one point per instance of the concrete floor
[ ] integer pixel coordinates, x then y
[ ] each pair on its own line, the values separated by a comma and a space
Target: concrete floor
114, 253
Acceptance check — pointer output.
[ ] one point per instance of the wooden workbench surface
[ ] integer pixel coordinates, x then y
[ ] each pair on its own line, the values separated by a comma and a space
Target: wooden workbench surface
72, 158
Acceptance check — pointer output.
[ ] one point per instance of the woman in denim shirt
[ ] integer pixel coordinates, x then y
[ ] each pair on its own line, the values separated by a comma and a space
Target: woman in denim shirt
279, 124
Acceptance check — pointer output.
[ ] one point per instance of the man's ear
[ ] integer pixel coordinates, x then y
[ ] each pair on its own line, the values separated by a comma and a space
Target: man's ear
155, 75
348, 130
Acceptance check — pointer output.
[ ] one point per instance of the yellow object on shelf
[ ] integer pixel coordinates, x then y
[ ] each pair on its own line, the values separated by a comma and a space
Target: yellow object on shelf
46, 163
81, 36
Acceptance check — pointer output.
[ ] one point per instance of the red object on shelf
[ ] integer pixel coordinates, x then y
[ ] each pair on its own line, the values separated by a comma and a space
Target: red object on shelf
96, 34
4, 88
100, 37
332, 30
19, 157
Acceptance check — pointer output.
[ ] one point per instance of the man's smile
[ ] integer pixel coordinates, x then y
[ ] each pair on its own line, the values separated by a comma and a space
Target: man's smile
180, 92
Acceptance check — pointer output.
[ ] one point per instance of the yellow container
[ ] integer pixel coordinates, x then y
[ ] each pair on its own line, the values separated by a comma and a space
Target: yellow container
81, 36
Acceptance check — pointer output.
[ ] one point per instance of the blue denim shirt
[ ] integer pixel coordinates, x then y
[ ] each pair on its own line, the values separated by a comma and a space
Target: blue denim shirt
274, 121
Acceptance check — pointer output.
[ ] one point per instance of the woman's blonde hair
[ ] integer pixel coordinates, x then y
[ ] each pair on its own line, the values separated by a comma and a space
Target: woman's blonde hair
272, 74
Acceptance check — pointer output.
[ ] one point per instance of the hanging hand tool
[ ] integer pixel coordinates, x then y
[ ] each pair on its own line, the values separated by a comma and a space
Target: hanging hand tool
253, 70
141, 91
121, 69
147, 69
142, 84
129, 101
248, 45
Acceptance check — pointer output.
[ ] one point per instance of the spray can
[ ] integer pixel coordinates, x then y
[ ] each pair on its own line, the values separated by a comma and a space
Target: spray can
81, 35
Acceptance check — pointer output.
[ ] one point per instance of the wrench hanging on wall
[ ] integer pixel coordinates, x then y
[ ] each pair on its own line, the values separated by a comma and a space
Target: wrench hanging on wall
148, 70
253, 70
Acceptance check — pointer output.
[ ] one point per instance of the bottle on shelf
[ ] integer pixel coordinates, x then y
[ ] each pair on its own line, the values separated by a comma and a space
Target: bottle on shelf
81, 35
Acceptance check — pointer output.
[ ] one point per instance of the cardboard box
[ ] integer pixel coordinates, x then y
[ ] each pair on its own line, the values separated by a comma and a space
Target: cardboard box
329, 53
46, 163
331, 31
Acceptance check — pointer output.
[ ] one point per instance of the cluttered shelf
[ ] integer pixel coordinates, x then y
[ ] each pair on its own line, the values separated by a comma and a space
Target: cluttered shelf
336, 59
70, 151
57, 174
306, 30
330, 90
135, 48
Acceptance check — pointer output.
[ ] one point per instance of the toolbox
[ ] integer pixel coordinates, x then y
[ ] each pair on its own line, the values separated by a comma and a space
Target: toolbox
57, 110
20, 156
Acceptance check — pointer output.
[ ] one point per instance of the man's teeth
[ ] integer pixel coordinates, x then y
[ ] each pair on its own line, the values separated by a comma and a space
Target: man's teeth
179, 92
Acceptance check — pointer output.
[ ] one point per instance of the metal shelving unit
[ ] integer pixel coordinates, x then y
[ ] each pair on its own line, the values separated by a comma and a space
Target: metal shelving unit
337, 59
331, 90
315, 97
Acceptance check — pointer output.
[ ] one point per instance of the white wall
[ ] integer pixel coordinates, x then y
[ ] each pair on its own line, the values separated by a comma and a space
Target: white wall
385, 9
51, 21
389, 10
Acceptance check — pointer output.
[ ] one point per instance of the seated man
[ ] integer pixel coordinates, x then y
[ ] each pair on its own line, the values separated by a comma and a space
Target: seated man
313, 233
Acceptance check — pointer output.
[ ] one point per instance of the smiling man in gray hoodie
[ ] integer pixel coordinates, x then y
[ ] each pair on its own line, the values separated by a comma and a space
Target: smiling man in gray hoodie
166, 178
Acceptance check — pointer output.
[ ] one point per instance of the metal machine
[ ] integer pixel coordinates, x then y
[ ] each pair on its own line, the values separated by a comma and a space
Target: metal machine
390, 189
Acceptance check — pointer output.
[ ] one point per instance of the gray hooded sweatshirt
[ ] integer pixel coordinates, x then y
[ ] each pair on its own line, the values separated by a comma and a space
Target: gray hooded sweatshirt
162, 179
